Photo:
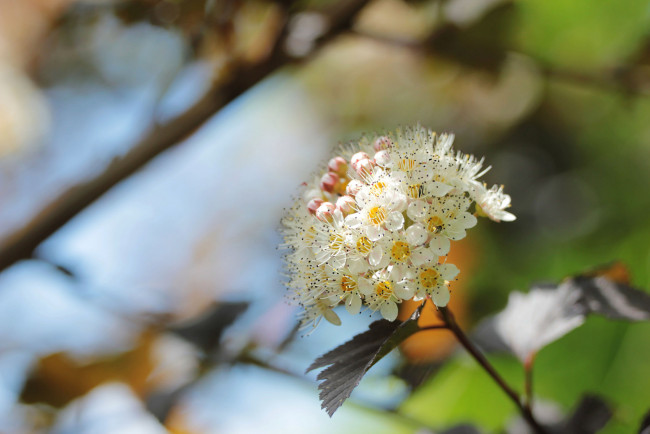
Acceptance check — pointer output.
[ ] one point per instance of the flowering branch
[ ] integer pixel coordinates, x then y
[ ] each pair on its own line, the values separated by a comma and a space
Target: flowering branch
525, 410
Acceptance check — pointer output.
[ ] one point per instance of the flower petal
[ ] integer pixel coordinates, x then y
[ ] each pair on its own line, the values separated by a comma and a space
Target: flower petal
389, 310
357, 265
353, 304
338, 261
374, 233
394, 221
353, 220
440, 296
448, 271
439, 189
439, 245
365, 287
416, 234
417, 209
332, 317
405, 292
422, 256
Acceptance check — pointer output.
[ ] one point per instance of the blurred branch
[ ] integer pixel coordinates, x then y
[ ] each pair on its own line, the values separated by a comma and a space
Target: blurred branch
22, 243
631, 80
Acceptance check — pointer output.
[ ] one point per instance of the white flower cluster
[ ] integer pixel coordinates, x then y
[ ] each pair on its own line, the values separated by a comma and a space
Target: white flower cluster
371, 231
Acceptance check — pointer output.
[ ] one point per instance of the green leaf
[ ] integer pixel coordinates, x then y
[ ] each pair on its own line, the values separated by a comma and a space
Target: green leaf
463, 392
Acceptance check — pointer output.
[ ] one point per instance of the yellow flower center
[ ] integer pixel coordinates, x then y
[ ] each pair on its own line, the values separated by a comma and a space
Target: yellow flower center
377, 188
364, 245
434, 224
429, 278
348, 284
400, 251
336, 241
406, 164
415, 191
384, 289
377, 215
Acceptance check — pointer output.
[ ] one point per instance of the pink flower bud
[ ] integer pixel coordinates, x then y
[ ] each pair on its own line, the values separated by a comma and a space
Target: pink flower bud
346, 204
325, 211
382, 142
329, 181
382, 158
354, 161
364, 167
353, 187
313, 205
338, 165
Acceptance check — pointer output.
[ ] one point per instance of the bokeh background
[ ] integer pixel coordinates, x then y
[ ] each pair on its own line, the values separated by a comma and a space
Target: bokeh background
149, 147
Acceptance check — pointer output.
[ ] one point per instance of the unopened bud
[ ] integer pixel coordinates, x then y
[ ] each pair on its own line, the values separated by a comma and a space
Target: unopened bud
382, 143
382, 158
338, 165
346, 204
329, 181
313, 205
325, 212
354, 161
364, 167
353, 187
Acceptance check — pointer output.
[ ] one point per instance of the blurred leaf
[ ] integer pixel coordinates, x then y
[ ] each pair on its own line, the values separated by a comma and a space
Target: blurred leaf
58, 379
482, 45
462, 392
206, 330
611, 299
531, 321
645, 424
462, 429
590, 416
546, 313
349, 362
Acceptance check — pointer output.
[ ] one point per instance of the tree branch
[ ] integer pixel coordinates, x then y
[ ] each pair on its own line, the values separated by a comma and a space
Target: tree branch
527, 414
22, 243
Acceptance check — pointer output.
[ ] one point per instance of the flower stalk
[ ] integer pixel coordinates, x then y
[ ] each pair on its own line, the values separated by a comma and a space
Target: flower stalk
525, 410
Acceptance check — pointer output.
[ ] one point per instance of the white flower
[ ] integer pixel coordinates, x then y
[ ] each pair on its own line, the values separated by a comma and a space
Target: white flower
432, 281
370, 231
492, 202
385, 289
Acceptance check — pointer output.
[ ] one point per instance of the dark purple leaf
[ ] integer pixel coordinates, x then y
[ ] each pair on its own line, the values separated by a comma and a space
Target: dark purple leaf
612, 299
205, 331
347, 363
589, 417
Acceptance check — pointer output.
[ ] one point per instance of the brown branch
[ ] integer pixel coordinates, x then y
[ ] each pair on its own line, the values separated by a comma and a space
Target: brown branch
621, 79
22, 243
462, 338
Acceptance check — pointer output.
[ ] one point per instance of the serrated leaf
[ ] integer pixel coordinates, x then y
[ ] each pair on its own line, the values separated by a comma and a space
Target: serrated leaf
348, 363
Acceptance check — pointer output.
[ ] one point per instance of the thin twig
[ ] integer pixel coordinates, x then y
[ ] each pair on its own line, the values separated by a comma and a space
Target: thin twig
485, 364
528, 381
433, 327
